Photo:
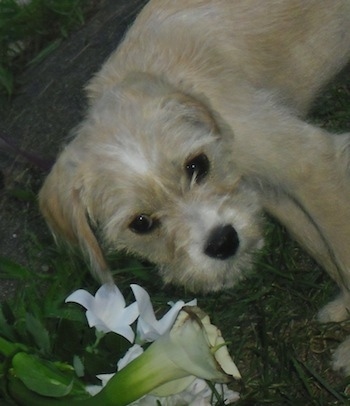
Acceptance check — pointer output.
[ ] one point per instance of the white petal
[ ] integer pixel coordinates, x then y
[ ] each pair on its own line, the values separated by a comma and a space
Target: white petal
221, 355
111, 295
227, 394
132, 353
188, 348
144, 304
93, 389
175, 386
146, 332
130, 313
167, 321
81, 297
109, 303
148, 327
147, 322
105, 378
95, 321
125, 331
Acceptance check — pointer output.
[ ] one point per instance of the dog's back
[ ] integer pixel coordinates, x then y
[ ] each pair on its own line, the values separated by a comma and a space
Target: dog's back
292, 47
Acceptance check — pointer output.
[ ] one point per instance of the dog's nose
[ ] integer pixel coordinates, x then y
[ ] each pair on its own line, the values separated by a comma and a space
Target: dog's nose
222, 243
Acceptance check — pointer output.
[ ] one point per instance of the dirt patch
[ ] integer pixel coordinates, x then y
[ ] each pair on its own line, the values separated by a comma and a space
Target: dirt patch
49, 103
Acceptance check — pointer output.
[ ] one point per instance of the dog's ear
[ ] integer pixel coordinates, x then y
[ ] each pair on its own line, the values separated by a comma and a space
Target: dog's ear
194, 110
62, 206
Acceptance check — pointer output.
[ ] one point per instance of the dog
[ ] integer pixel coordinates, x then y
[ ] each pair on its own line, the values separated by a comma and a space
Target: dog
196, 128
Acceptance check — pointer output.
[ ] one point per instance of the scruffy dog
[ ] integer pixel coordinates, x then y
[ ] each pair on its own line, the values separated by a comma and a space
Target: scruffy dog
196, 128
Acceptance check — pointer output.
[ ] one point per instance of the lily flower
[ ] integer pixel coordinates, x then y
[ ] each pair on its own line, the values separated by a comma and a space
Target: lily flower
148, 327
107, 311
192, 348
196, 393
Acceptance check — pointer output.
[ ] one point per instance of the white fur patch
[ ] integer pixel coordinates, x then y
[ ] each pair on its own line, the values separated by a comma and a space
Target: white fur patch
136, 161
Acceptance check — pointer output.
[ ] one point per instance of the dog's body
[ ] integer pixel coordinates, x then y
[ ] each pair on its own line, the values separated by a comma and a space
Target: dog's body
195, 128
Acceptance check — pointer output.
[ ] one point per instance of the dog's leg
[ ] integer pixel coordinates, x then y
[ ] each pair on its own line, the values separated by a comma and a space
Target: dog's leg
306, 163
309, 232
301, 227
325, 197
341, 357
337, 310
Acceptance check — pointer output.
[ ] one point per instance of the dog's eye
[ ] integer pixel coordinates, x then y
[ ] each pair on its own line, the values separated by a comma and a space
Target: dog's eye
143, 224
197, 167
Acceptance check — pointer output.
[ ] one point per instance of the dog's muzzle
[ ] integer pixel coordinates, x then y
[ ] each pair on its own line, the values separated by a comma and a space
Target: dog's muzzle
222, 243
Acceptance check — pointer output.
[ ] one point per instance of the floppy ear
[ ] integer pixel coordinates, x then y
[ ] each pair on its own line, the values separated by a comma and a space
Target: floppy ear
61, 204
196, 110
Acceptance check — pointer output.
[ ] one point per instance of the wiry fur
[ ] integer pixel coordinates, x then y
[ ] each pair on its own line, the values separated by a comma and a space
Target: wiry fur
231, 80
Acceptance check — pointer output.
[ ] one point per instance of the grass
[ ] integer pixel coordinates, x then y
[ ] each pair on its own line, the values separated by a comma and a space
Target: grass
281, 351
29, 31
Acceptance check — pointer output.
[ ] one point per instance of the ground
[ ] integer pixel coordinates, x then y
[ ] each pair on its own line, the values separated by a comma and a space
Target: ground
48, 104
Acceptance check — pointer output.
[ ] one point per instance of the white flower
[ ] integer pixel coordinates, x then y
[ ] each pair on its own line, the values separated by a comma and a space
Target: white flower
192, 348
148, 327
188, 391
106, 310
196, 345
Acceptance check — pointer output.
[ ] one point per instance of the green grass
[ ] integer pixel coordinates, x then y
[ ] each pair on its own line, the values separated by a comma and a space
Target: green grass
29, 32
269, 319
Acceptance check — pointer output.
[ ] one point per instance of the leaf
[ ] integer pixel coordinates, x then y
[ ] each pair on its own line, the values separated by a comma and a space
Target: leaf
10, 269
25, 195
5, 329
38, 332
6, 80
41, 376
45, 52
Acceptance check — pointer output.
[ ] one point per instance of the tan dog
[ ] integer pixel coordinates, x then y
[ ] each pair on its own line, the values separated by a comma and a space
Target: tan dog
195, 128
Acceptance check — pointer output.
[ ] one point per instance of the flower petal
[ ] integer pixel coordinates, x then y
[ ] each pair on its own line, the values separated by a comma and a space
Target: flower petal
148, 327
132, 353
144, 304
81, 297
125, 331
95, 321
109, 303
175, 386
221, 354
120, 324
111, 295
106, 310
167, 321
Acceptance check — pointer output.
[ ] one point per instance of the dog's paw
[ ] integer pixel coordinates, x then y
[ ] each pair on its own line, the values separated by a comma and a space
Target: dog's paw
341, 358
335, 311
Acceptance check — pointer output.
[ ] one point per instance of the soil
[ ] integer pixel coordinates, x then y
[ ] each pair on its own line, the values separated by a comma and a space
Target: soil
48, 104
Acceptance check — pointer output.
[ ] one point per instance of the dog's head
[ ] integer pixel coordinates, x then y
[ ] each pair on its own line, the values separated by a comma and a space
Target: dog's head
151, 171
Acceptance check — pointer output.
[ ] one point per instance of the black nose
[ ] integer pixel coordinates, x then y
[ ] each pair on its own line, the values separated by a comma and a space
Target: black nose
222, 243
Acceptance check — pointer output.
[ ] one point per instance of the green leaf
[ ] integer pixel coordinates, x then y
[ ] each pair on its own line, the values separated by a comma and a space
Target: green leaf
6, 80
38, 332
8, 348
41, 376
24, 195
5, 329
45, 52
10, 269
